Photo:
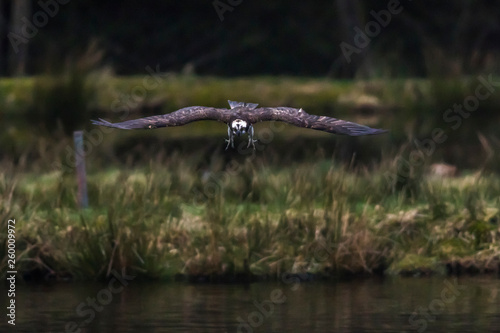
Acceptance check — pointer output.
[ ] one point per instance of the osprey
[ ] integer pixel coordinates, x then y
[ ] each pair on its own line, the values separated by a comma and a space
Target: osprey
240, 118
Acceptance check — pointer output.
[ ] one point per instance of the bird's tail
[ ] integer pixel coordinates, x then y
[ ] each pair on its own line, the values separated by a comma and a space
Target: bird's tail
234, 104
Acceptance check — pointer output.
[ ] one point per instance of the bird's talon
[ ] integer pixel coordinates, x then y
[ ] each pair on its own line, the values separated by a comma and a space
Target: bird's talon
251, 143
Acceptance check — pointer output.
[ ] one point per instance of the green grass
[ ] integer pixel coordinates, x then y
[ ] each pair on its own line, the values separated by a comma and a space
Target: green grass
52, 106
170, 202
179, 217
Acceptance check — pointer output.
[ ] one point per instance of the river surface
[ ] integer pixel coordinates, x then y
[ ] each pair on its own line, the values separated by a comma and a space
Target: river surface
436, 304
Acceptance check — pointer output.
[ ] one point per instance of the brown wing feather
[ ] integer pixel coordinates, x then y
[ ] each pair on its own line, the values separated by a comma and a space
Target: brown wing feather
176, 118
300, 118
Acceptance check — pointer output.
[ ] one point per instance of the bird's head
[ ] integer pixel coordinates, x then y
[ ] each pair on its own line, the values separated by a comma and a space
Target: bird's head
239, 127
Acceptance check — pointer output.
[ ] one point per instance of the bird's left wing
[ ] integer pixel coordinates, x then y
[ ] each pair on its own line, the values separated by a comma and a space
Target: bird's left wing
176, 118
300, 118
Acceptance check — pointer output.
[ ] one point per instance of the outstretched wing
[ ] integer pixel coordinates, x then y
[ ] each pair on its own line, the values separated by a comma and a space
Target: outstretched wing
300, 118
176, 118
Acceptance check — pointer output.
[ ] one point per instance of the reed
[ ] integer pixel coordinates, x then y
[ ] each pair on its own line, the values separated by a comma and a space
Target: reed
308, 218
171, 204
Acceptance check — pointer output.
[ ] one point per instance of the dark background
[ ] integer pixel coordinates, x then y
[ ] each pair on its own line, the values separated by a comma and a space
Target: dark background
428, 38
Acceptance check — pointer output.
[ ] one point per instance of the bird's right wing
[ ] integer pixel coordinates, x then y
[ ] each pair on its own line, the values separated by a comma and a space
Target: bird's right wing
300, 118
176, 118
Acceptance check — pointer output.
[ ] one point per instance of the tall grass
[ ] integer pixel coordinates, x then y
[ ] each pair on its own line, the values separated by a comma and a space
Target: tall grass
169, 204
163, 221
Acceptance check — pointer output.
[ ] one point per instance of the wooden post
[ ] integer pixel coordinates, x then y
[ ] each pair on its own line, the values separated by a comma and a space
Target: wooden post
81, 174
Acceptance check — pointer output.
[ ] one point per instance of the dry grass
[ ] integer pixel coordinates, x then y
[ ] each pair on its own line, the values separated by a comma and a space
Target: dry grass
169, 203
318, 218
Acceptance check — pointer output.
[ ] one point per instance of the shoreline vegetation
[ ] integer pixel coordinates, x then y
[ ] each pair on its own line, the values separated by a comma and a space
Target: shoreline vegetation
314, 219
172, 204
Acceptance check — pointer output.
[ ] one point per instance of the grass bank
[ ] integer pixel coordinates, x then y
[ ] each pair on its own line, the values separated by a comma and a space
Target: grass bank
51, 107
171, 203
235, 219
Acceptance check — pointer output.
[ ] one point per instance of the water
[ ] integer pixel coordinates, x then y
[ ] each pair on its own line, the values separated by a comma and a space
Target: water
436, 304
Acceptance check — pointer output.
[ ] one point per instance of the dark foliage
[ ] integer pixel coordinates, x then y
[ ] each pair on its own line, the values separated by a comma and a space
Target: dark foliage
274, 37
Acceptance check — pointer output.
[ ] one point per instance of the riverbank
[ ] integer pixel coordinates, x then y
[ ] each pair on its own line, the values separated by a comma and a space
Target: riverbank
171, 204
177, 219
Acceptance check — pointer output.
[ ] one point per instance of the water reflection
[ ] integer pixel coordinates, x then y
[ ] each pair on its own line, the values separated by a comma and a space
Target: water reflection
435, 304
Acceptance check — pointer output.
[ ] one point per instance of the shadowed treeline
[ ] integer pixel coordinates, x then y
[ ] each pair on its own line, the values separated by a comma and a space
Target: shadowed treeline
342, 38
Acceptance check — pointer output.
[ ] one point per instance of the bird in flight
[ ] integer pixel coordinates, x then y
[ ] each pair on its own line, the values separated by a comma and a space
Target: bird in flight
241, 116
